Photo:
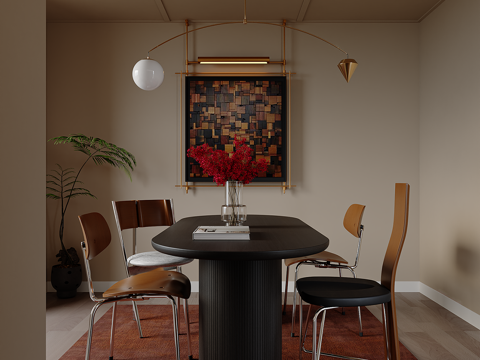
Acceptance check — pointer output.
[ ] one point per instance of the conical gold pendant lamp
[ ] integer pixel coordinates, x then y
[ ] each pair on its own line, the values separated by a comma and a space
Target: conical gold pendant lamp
347, 68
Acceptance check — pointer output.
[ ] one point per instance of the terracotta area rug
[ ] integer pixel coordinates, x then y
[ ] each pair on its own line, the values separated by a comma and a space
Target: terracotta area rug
341, 336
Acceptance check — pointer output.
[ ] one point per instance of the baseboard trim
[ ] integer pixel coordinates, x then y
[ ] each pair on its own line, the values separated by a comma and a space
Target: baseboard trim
451, 305
400, 286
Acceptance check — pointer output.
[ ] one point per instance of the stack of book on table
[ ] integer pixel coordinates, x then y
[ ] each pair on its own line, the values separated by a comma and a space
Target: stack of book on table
221, 233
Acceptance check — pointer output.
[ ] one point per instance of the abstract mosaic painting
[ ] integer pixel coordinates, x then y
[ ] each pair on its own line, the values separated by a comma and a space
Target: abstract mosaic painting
254, 108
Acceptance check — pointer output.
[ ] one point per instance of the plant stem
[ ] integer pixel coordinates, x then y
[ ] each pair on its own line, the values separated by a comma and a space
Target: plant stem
64, 209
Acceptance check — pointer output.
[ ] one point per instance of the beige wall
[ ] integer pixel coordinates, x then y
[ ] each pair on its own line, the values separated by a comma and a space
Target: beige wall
22, 180
350, 142
449, 161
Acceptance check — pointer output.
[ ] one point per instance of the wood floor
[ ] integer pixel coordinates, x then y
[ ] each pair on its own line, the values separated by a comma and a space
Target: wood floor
428, 330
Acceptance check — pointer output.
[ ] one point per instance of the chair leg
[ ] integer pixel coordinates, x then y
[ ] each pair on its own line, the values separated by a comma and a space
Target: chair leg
179, 269
286, 291
112, 332
187, 322
175, 326
306, 328
340, 275
391, 334
359, 312
137, 318
292, 334
301, 322
386, 334
90, 329
320, 336
360, 321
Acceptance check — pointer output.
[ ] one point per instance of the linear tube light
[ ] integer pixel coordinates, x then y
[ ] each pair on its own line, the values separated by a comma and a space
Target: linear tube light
233, 60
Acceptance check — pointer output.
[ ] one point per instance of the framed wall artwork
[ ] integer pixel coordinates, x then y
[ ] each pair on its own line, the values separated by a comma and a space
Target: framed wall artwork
218, 108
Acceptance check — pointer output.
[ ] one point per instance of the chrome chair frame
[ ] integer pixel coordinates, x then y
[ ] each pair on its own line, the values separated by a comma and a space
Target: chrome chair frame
325, 265
316, 349
126, 263
134, 298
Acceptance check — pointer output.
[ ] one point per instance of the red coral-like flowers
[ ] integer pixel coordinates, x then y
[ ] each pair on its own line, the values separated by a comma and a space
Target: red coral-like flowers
236, 166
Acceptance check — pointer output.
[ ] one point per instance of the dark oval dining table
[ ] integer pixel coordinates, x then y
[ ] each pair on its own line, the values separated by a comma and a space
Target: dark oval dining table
240, 292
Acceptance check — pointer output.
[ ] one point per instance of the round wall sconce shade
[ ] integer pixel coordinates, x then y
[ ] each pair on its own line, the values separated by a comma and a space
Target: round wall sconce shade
148, 74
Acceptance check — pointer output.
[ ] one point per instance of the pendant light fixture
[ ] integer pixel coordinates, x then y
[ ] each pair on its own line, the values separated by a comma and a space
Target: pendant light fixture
148, 74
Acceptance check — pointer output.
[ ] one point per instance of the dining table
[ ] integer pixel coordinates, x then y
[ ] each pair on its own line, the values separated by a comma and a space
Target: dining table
240, 281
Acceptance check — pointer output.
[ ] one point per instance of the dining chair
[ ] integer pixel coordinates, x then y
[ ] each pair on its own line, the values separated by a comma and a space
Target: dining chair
134, 214
153, 284
327, 260
334, 292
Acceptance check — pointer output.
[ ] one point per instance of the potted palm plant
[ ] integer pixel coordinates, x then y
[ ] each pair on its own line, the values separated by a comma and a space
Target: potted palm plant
64, 185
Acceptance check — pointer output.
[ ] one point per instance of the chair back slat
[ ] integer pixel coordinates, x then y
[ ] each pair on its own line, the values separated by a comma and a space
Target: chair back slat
399, 231
155, 213
126, 213
353, 219
96, 234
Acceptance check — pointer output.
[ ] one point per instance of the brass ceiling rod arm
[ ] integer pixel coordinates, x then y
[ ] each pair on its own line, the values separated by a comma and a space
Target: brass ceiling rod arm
250, 22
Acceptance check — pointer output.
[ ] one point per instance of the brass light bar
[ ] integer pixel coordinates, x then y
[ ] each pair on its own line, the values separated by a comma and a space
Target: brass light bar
234, 60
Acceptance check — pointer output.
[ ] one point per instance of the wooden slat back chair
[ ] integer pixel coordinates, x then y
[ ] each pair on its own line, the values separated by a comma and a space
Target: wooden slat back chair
327, 260
153, 284
134, 214
331, 292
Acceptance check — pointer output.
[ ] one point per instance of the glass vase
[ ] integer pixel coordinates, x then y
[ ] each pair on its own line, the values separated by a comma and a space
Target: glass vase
234, 213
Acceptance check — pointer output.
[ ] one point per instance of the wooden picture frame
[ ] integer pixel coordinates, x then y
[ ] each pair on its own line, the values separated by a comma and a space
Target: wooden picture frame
251, 107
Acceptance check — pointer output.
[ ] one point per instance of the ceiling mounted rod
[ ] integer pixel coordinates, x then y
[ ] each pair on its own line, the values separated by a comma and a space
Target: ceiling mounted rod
245, 11
251, 22
148, 74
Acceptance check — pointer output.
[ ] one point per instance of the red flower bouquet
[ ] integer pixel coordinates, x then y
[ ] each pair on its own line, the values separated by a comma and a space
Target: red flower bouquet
236, 166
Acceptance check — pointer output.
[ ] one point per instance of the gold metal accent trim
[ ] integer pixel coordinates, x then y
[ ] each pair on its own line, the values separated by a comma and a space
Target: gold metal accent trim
284, 62
186, 47
284, 186
289, 132
181, 130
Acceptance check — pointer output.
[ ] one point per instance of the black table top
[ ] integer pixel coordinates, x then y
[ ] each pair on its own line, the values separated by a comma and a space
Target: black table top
271, 237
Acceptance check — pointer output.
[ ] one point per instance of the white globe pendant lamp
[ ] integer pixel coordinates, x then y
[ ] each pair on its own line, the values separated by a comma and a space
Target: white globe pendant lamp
148, 74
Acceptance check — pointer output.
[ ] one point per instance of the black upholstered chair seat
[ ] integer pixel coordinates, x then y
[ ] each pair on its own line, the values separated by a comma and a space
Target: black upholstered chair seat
342, 292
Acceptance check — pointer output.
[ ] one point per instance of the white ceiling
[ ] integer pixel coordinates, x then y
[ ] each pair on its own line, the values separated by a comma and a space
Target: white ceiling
227, 10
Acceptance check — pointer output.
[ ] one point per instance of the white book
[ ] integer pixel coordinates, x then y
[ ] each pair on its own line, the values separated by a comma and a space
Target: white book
221, 233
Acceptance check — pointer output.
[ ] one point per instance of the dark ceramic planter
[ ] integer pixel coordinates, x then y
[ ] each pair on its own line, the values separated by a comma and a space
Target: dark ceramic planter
66, 280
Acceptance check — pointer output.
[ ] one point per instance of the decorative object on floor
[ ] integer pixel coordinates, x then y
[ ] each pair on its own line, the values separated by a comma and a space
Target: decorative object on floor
233, 168
147, 79
157, 283
340, 336
252, 108
64, 185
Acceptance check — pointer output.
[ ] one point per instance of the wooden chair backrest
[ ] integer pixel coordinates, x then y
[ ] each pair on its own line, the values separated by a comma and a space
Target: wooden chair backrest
399, 231
132, 214
96, 234
126, 212
155, 213
353, 219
